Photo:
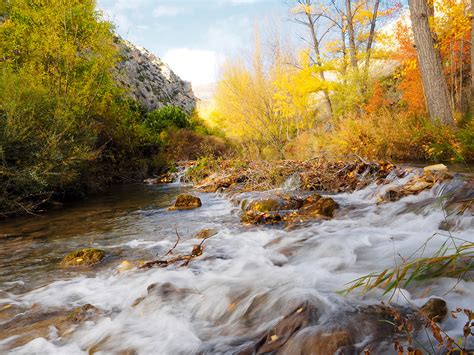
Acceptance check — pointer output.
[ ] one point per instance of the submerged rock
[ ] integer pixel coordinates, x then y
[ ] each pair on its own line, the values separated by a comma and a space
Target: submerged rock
186, 202
83, 257
37, 322
303, 331
205, 233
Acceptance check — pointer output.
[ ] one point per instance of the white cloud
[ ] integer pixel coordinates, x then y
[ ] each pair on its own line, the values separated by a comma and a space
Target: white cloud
165, 10
197, 66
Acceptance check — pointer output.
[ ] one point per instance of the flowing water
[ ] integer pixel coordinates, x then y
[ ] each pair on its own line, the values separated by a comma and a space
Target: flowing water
246, 279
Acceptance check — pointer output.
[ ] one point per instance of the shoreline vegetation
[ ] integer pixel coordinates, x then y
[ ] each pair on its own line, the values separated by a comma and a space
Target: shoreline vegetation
68, 128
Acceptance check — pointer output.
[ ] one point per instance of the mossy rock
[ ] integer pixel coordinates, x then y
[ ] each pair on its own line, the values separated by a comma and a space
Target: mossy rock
273, 204
186, 202
83, 257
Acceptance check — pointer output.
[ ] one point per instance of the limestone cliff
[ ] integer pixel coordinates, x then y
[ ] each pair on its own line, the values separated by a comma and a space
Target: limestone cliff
151, 81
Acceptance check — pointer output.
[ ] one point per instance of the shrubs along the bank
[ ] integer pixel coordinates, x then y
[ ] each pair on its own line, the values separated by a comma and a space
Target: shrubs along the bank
66, 127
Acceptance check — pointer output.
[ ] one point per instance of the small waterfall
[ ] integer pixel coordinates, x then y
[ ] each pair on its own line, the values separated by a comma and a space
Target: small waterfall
180, 174
292, 183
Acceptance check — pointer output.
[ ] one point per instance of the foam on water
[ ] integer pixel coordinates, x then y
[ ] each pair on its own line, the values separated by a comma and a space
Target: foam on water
239, 264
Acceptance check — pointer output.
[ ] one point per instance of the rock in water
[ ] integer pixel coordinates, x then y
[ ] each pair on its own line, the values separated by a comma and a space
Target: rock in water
274, 204
435, 309
205, 233
83, 257
186, 202
316, 205
150, 81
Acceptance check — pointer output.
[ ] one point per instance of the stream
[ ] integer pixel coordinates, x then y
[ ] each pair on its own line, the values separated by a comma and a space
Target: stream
247, 278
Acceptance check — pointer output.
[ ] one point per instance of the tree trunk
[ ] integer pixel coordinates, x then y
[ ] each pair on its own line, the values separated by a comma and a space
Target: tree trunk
350, 27
370, 41
319, 62
344, 53
432, 76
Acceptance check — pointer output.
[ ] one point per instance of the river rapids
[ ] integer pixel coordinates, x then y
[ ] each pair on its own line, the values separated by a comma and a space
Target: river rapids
246, 280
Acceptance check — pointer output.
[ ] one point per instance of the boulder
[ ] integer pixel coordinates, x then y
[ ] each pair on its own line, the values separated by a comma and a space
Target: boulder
274, 204
186, 202
291, 210
83, 257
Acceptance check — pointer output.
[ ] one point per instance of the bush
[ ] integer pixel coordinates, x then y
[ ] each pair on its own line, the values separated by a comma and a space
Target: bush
169, 116
185, 144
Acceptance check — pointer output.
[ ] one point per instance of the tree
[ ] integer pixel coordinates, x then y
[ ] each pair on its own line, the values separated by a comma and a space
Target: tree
351, 30
434, 82
310, 19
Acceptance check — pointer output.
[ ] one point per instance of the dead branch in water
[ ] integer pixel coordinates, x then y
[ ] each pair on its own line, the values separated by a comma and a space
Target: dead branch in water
197, 251
175, 244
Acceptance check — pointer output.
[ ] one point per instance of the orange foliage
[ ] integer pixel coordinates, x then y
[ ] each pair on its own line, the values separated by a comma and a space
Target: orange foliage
410, 84
452, 30
377, 100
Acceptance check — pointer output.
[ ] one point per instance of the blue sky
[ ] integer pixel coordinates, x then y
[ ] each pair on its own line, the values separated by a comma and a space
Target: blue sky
194, 36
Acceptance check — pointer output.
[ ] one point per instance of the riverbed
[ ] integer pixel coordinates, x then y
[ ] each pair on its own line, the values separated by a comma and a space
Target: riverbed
247, 278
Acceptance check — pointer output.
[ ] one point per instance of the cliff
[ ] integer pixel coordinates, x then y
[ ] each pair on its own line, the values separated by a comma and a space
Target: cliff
151, 81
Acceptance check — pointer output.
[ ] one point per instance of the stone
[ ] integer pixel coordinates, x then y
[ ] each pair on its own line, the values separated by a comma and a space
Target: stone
436, 167
273, 204
435, 309
318, 206
205, 233
261, 218
83, 257
125, 266
186, 202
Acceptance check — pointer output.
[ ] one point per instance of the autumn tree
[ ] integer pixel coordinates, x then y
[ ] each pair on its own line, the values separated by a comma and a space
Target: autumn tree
307, 16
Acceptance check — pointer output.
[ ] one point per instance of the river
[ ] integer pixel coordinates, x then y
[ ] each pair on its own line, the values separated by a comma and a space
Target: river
246, 279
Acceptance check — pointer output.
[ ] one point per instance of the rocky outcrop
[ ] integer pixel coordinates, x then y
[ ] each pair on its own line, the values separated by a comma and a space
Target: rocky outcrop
150, 81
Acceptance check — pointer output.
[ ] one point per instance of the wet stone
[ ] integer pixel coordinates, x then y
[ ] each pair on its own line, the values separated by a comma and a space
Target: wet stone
205, 233
83, 257
186, 202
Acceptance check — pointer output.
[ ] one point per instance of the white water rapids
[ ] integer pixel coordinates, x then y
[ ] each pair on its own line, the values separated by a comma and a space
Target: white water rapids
281, 268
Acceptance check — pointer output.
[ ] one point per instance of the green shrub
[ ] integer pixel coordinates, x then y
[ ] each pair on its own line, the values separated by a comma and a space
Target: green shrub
163, 118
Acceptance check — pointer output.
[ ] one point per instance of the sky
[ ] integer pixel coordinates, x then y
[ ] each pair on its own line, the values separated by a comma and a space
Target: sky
194, 37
